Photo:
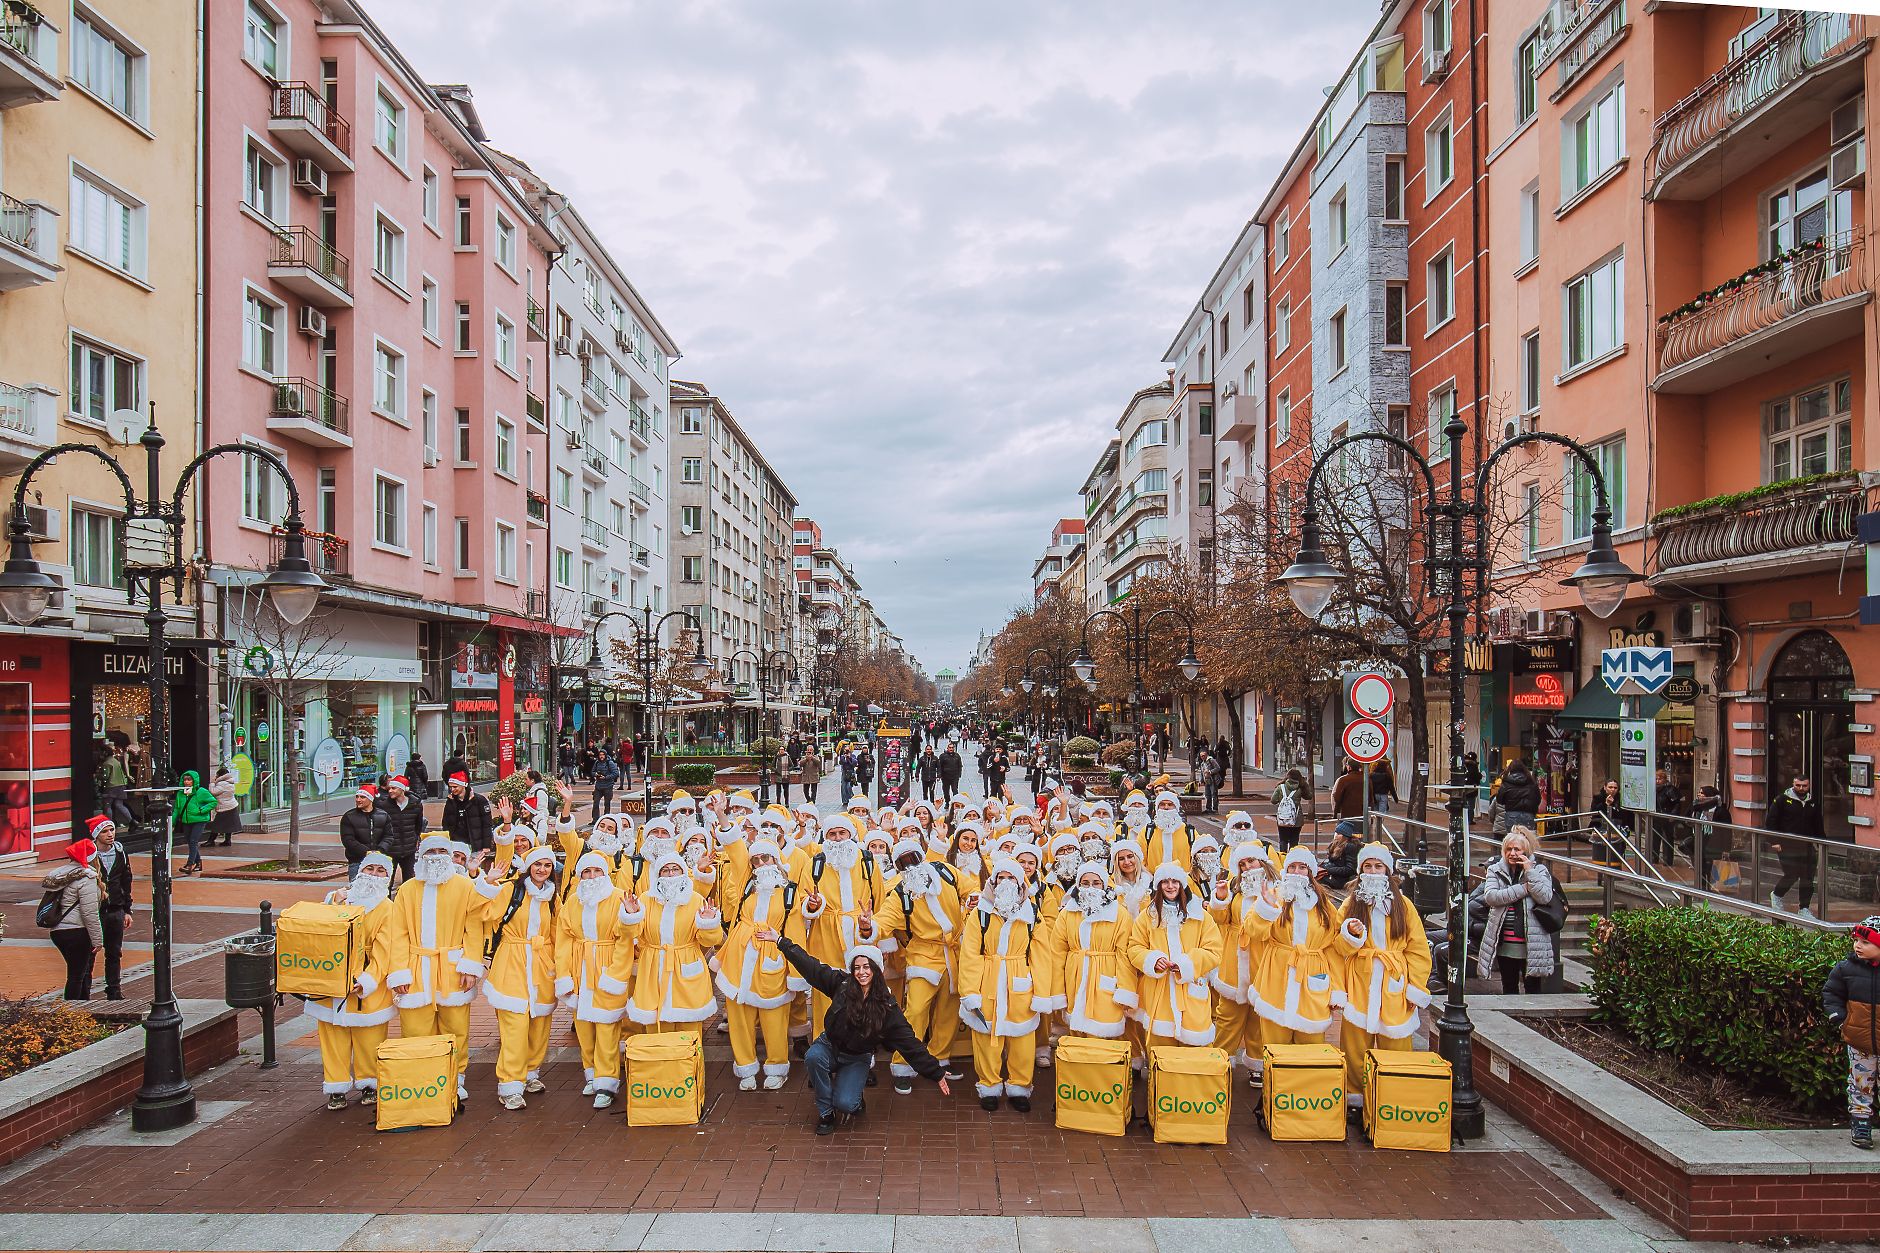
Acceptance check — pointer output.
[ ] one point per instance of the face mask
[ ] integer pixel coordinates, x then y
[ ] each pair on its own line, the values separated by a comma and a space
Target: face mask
968, 861
1091, 898
436, 868
842, 854
1374, 890
593, 891
919, 879
1295, 887
1209, 862
1066, 865
1006, 897
1251, 881
768, 878
368, 890
672, 889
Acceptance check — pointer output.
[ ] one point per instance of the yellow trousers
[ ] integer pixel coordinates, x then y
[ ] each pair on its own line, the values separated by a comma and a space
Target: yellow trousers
745, 1021
349, 1057
522, 1045
600, 1053
934, 1012
440, 1020
1003, 1063
1356, 1043
1236, 1029
1272, 1033
799, 1016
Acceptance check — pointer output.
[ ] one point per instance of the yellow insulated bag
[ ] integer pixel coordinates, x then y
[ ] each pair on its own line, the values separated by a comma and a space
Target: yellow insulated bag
1190, 1094
417, 1082
319, 949
1407, 1100
1303, 1092
665, 1079
1093, 1085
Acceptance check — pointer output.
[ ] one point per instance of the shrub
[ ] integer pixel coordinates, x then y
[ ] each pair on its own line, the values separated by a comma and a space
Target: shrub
693, 774
1083, 746
1119, 753
31, 1033
1724, 990
1082, 763
515, 787
1116, 780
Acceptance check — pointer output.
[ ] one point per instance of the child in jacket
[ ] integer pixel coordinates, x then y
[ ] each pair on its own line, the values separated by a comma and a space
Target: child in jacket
1849, 996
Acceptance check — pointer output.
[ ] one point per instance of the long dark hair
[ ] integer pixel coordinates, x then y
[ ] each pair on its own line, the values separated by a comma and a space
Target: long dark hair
867, 1011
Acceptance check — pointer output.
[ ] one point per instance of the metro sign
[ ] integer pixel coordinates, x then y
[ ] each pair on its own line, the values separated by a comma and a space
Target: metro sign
1635, 671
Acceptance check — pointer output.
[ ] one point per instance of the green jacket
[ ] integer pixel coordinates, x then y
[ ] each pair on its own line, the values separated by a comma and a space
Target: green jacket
195, 805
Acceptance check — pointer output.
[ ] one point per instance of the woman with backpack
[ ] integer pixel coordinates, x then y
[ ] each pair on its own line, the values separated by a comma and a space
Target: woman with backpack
1292, 808
69, 909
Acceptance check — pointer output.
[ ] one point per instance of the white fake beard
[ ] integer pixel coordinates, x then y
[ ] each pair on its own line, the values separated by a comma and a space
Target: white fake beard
695, 855
768, 878
368, 890
1092, 899
1172, 912
435, 869
658, 847
1208, 863
1092, 850
1006, 898
1167, 819
1296, 887
883, 864
919, 879
672, 890
1067, 866
969, 861
593, 891
1135, 819
842, 854
607, 843
1251, 881
1374, 890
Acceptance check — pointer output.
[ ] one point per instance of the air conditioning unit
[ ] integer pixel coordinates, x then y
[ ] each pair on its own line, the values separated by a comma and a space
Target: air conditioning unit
1435, 65
1848, 166
310, 176
312, 322
430, 456
574, 440
1694, 620
1847, 121
1540, 622
42, 523
586, 350
61, 605
562, 345
289, 400
621, 340
596, 606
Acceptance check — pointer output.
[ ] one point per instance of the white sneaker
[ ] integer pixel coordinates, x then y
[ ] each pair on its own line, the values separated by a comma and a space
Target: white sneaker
603, 1099
589, 1089
1775, 902
463, 1093
1044, 1059
773, 1083
1806, 913
534, 1085
748, 1083
514, 1101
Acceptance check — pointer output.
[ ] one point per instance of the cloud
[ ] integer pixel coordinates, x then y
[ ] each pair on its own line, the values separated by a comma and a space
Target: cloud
925, 252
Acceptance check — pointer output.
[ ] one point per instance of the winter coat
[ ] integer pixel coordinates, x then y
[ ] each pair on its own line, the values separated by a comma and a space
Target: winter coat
896, 1034
1301, 794
606, 773
1341, 867
468, 820
811, 767
929, 768
117, 879
1501, 889
419, 776
864, 769
224, 789
364, 832
950, 766
1792, 815
1519, 793
1180, 1004
1387, 981
78, 900
195, 805
406, 826
1301, 978
1348, 795
1849, 996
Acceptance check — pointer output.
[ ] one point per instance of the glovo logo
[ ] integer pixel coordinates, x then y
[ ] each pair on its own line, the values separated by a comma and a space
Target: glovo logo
1295, 1101
653, 1092
1084, 1096
294, 961
1170, 1105
393, 1092
1396, 1113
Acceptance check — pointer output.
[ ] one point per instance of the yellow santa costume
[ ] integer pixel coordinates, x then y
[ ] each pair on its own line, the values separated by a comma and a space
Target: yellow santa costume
1387, 967
593, 958
1236, 1024
1131, 879
352, 1027
1169, 837
920, 918
611, 837
519, 951
996, 964
757, 983
1301, 978
436, 941
670, 927
966, 853
1177, 1006
837, 885
1085, 969
1133, 822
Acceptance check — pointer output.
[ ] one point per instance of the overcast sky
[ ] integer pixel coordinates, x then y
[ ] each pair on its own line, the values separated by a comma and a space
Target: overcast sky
925, 252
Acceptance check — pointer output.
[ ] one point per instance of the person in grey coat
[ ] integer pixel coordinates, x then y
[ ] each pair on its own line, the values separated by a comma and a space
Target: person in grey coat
1514, 943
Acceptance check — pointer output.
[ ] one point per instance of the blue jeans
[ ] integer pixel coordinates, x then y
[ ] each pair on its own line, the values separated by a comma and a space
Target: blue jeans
838, 1078
192, 831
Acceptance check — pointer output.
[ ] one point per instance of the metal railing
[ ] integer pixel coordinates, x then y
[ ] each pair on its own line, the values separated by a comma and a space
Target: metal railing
638, 489
19, 36
1790, 51
594, 385
640, 424
19, 223
303, 398
1612, 878
16, 409
304, 102
329, 553
537, 320
535, 408
594, 459
302, 246
1805, 278
1819, 512
1587, 31
593, 532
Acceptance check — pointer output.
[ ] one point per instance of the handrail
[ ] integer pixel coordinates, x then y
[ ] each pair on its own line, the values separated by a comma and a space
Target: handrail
1601, 867
1730, 903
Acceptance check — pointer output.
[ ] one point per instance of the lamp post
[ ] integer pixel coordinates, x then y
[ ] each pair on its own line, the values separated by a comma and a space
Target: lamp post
1054, 675
646, 661
1311, 581
766, 664
1136, 653
155, 552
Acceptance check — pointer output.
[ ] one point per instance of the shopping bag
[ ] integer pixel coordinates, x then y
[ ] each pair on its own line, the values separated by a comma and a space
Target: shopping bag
1092, 1085
1303, 1092
1725, 874
1190, 1094
319, 949
1406, 1100
417, 1082
665, 1079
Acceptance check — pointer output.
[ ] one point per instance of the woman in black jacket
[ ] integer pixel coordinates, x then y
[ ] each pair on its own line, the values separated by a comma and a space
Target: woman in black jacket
862, 1018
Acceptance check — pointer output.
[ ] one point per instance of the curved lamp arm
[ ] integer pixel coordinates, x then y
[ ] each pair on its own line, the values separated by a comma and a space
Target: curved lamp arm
32, 468
1602, 578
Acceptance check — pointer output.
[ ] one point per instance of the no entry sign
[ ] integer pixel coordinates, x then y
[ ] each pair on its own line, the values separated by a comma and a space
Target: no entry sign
1372, 695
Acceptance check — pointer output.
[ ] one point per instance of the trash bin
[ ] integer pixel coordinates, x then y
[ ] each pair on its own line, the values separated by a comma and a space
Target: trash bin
1429, 889
248, 971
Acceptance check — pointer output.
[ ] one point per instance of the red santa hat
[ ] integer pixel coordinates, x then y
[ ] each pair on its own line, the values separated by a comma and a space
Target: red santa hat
96, 823
533, 801
366, 790
398, 781
460, 777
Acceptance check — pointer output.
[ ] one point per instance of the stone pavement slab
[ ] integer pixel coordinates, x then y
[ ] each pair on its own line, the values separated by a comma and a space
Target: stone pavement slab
710, 1233
1078, 1235
956, 1234
289, 1233
553, 1232
416, 1231
161, 1231
1220, 1235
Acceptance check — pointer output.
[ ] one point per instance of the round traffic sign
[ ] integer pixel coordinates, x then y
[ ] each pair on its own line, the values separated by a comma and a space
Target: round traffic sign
1372, 695
1365, 740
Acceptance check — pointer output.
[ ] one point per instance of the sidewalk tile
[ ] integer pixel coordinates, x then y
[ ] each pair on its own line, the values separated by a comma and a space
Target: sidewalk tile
554, 1232
397, 1232
289, 1233
710, 1233
51, 1231
1596, 1235
161, 1231
963, 1234
1224, 1235
1077, 1235
832, 1233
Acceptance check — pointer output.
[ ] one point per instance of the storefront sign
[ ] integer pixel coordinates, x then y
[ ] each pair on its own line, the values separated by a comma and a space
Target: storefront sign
1478, 657
892, 743
1619, 637
533, 704
327, 763
474, 668
261, 733
258, 662
1682, 690
243, 767
1540, 656
474, 705
1544, 691
1635, 671
397, 753
1638, 763
136, 665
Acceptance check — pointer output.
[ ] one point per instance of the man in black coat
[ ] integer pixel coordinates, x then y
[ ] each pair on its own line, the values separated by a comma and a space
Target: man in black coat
950, 767
864, 772
114, 913
420, 776
1796, 812
929, 772
405, 813
365, 828
467, 816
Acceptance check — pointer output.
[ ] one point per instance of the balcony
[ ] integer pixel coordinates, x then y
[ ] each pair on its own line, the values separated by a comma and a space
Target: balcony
638, 491
538, 511
537, 322
29, 56
311, 268
594, 390
593, 460
331, 556
593, 534
305, 411
29, 244
537, 410
640, 558
640, 426
1781, 88
28, 424
1798, 527
1808, 298
831, 600
305, 124
1239, 418
1587, 29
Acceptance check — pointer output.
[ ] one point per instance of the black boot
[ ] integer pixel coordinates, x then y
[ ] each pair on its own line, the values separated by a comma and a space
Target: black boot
1863, 1134
826, 1125
989, 1103
1022, 1104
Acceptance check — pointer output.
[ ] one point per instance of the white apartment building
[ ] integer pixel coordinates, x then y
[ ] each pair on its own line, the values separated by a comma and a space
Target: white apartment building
1126, 498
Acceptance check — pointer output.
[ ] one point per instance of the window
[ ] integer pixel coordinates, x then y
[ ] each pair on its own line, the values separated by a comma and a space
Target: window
1439, 300
1247, 299
564, 567
564, 489
1531, 372
1811, 432
689, 519
104, 67
388, 512
463, 223
388, 252
1595, 139
260, 184
619, 524
1530, 222
1338, 341
463, 326
463, 545
106, 226
505, 551
261, 490
1393, 191
430, 195
389, 131
428, 405
1204, 420
1805, 211
1436, 26
1442, 409
388, 380
1282, 323
97, 549
691, 421
1396, 425
1148, 435
463, 437
1282, 415
1339, 225
1611, 458
1394, 298
260, 320
261, 39
505, 343
690, 569
1204, 488
1526, 60
1531, 518
428, 306
1283, 245
505, 446
430, 535
1595, 314
505, 243
1438, 157
689, 470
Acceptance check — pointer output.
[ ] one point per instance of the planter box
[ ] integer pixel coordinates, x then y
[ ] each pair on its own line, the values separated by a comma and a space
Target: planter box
325, 874
56, 1098
1704, 1184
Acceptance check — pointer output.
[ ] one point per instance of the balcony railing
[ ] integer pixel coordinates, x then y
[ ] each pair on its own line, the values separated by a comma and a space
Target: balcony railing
593, 532
329, 553
1812, 512
538, 507
303, 398
302, 246
16, 410
538, 322
537, 409
594, 459
304, 102
1803, 278
595, 386
1587, 29
19, 223
641, 424
1796, 45
639, 489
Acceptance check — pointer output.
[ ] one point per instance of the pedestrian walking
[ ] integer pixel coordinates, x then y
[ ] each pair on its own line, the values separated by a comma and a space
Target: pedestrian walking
114, 875
117, 778
1796, 813
1348, 799
1210, 782
864, 771
1609, 806
1292, 807
467, 816
191, 814
1471, 775
364, 829
1669, 802
811, 767
228, 820
624, 759
1849, 996
950, 768
846, 761
1514, 943
1383, 786
929, 767
78, 931
567, 761
1519, 797
406, 825
420, 776
606, 774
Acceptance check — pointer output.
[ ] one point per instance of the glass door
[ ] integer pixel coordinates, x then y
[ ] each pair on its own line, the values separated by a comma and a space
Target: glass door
1813, 742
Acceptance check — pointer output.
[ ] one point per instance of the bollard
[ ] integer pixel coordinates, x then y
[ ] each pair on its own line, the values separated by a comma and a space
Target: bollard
267, 1011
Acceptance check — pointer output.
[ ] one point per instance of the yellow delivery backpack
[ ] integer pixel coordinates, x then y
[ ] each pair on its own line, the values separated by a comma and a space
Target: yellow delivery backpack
1407, 1100
319, 949
1190, 1094
1093, 1085
1303, 1092
417, 1082
665, 1079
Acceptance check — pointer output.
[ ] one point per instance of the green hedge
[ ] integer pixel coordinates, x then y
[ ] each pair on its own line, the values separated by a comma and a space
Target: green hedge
1083, 746
693, 774
1724, 990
